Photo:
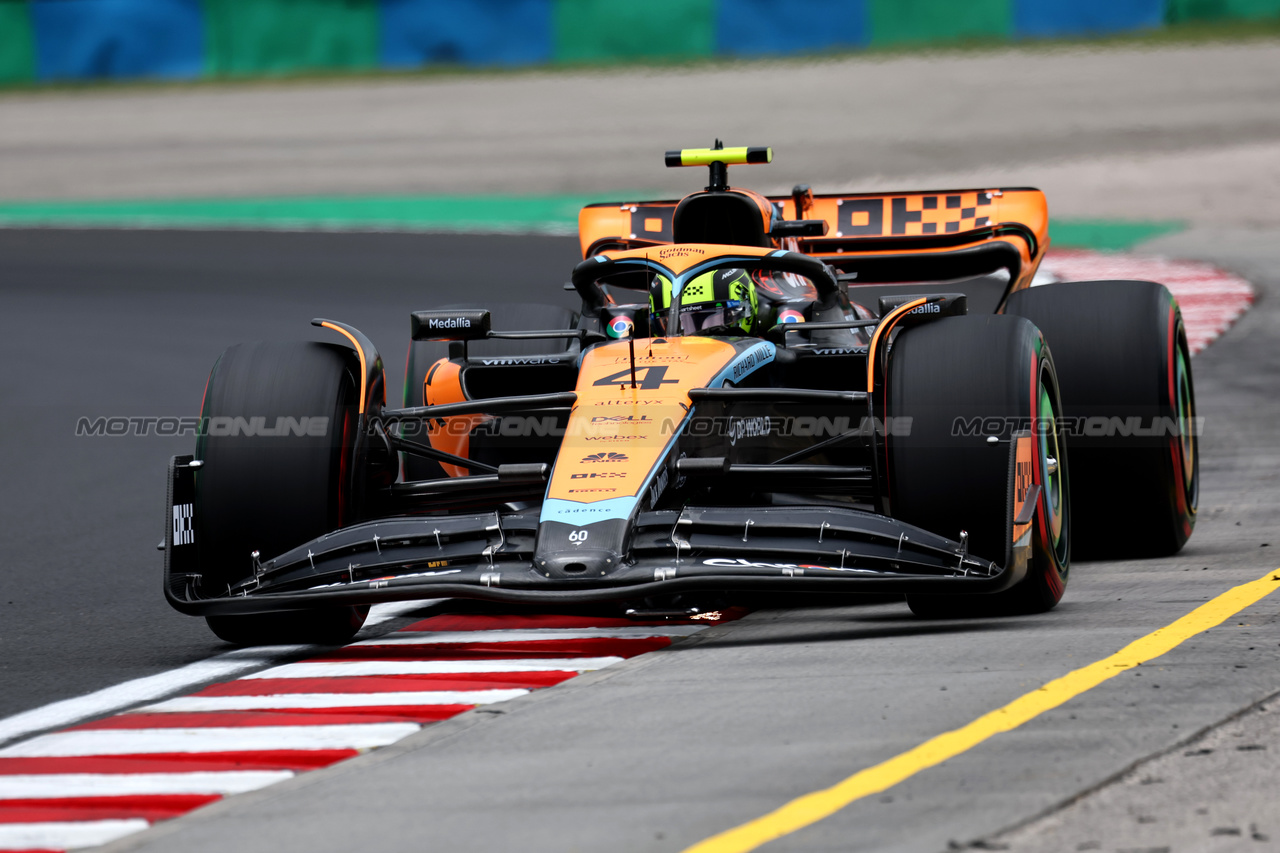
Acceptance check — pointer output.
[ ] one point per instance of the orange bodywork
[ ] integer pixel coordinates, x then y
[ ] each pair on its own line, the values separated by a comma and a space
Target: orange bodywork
616, 433
679, 258
876, 225
443, 384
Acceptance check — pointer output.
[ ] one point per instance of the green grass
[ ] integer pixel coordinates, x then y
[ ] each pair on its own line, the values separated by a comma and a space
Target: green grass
529, 214
1106, 234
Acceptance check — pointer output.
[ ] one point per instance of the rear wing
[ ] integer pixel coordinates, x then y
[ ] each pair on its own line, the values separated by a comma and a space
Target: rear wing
884, 237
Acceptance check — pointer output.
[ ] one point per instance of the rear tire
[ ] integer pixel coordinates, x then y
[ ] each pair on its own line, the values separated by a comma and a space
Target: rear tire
1121, 352
996, 371
270, 493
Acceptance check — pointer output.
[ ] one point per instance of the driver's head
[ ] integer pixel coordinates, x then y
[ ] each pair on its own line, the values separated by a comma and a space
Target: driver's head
722, 302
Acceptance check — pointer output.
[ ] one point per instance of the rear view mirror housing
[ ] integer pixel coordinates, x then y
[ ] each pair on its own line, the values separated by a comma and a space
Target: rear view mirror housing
460, 325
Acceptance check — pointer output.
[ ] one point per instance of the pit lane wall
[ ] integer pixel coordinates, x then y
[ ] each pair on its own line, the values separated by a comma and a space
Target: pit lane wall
70, 40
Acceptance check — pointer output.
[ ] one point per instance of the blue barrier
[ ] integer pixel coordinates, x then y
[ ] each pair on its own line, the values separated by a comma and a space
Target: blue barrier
87, 39
1043, 18
95, 39
479, 32
753, 27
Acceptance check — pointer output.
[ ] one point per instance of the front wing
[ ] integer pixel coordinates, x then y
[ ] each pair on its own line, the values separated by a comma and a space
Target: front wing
826, 549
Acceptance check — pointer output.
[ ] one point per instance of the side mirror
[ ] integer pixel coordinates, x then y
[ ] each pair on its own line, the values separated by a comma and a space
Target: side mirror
939, 305
449, 325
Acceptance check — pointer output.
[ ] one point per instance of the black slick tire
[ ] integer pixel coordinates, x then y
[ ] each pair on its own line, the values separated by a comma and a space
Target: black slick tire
975, 387
1125, 372
271, 492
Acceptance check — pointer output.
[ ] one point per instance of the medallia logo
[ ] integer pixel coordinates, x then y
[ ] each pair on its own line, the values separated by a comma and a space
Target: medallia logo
927, 308
449, 323
620, 327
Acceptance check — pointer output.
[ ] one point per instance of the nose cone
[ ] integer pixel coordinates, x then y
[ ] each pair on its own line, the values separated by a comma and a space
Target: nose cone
567, 551
585, 563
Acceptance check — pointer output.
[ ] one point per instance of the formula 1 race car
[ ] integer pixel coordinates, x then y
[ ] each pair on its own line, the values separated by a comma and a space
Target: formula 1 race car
808, 393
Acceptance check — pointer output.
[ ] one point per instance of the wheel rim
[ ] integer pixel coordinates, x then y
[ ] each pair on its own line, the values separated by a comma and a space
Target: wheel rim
1186, 417
1051, 467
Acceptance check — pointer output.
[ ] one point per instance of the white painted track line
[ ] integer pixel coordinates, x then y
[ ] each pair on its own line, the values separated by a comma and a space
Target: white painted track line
223, 667
211, 739
43, 786
333, 669
63, 836
69, 711
331, 700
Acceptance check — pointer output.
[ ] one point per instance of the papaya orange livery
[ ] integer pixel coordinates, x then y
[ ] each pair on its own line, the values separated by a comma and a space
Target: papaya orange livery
452, 435
617, 433
684, 257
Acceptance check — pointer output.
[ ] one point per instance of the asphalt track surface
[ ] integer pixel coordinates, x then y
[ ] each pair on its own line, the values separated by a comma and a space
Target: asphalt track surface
664, 750
653, 754
128, 324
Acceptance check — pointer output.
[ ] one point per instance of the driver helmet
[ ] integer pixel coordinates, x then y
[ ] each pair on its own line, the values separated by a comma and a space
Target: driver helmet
721, 302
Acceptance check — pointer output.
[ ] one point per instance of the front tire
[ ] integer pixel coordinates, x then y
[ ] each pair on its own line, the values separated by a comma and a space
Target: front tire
963, 381
259, 491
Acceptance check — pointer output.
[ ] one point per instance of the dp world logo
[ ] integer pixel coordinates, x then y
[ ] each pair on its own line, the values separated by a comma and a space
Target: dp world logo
620, 327
605, 457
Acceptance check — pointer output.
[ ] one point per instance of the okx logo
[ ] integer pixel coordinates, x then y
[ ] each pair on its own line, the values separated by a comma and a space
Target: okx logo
605, 457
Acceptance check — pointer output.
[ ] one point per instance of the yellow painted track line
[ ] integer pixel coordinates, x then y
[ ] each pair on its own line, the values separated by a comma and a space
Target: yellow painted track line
811, 808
